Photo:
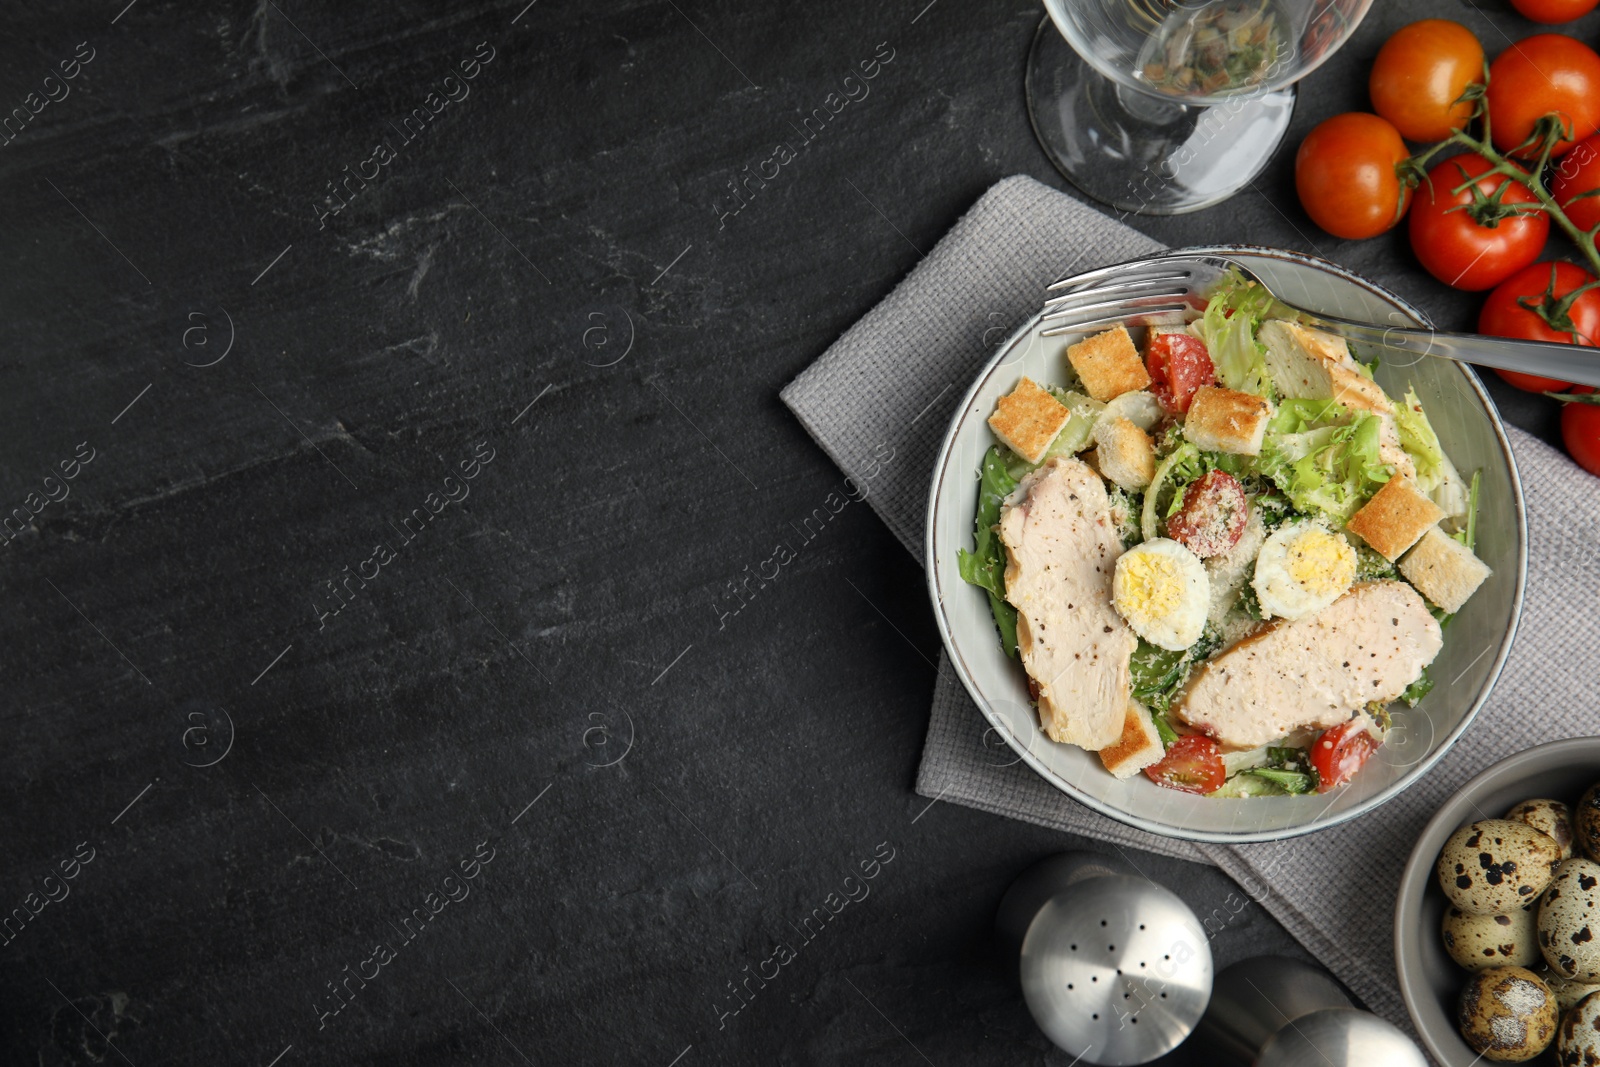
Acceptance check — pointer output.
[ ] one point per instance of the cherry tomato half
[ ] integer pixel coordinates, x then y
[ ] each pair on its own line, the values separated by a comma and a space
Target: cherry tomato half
1193, 764
1553, 11
1539, 75
1580, 432
1179, 364
1578, 172
1419, 77
1341, 750
1213, 515
1504, 314
1345, 175
1452, 244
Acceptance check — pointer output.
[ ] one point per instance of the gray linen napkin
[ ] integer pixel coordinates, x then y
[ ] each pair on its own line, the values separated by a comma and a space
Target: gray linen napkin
900, 371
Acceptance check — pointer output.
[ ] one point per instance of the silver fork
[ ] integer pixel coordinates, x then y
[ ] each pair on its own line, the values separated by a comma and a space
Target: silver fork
1160, 289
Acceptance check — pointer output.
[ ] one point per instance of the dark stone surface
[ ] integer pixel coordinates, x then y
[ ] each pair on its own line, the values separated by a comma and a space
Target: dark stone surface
551, 240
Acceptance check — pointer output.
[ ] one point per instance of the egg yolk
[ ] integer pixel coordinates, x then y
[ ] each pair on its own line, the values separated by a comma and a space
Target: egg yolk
1321, 563
1150, 585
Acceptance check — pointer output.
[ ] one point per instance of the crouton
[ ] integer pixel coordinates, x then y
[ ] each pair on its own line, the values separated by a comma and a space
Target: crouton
1028, 419
1109, 365
1124, 453
1318, 366
1444, 570
1137, 748
1225, 420
1395, 517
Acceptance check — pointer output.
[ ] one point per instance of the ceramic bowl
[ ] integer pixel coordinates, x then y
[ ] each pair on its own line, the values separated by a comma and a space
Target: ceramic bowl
1429, 980
1476, 642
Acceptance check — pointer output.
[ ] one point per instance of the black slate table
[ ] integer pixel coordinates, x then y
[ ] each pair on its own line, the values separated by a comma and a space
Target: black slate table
390, 395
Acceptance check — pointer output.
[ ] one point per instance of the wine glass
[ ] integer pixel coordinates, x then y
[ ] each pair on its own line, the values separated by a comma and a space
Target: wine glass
1165, 106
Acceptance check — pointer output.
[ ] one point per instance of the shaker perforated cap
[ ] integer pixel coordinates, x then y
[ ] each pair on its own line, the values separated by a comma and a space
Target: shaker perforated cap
1116, 970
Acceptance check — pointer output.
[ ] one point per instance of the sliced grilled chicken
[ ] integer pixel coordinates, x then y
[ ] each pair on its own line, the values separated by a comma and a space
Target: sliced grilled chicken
1061, 552
1317, 671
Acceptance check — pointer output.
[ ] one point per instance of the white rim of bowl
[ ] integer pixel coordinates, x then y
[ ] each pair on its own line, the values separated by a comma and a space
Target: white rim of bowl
1321, 822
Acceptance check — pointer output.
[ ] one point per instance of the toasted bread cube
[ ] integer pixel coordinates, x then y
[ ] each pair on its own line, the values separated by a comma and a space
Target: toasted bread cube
1318, 366
1395, 517
1028, 419
1444, 570
1124, 453
1137, 748
1226, 420
1109, 364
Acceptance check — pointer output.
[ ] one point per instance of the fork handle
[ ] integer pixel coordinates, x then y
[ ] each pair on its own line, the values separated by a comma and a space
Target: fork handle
1568, 363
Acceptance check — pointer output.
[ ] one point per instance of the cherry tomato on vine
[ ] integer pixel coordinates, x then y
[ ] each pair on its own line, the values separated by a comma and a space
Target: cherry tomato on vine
1578, 172
1511, 311
1345, 175
1193, 765
1539, 75
1419, 77
1475, 238
1341, 750
1580, 431
1553, 11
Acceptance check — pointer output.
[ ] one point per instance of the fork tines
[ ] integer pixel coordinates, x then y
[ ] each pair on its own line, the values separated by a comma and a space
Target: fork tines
1143, 294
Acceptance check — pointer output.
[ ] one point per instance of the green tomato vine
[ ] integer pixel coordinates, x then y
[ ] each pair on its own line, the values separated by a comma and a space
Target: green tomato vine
1489, 209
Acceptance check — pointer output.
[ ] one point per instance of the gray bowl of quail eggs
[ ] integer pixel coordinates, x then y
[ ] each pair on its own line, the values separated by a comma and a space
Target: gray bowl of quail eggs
1497, 927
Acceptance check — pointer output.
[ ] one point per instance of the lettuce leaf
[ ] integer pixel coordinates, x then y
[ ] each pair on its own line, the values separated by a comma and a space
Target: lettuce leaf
1074, 436
1233, 314
1292, 782
1436, 475
1184, 465
1419, 441
986, 566
1297, 415
1468, 534
1324, 469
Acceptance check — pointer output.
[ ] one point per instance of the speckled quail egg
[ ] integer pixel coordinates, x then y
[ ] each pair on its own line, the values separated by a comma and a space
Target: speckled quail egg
1507, 1014
1578, 1042
1495, 866
1162, 590
1301, 569
1568, 991
1479, 941
1550, 817
1569, 921
1586, 823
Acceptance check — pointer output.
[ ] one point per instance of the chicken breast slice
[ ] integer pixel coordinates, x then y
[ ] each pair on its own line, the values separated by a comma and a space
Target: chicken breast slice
1061, 552
1368, 645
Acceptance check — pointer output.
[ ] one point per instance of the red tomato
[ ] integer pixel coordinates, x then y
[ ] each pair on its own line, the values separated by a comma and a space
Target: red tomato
1345, 175
1553, 11
1580, 432
1213, 515
1505, 314
1341, 750
1193, 764
1179, 364
1419, 77
1539, 75
1452, 244
1578, 172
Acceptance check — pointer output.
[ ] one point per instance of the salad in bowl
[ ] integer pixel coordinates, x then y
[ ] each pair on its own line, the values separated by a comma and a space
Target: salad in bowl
1219, 550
